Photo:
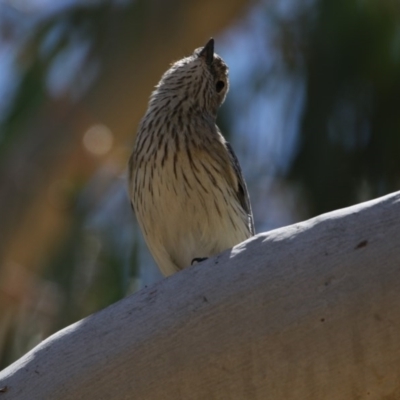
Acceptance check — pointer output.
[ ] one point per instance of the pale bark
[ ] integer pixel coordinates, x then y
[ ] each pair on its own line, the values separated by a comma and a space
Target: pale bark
309, 311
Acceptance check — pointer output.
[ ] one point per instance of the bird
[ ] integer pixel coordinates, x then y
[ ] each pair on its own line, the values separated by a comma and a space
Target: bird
185, 183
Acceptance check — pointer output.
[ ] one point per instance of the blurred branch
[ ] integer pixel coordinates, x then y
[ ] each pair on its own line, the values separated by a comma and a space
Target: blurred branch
304, 311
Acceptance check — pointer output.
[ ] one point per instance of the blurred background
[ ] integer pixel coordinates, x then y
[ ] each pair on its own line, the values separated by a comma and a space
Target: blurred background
313, 114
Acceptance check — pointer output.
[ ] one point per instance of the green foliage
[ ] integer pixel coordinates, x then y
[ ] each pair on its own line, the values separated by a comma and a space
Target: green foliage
350, 141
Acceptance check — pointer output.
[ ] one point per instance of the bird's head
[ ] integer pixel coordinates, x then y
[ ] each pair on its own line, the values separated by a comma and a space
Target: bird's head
199, 81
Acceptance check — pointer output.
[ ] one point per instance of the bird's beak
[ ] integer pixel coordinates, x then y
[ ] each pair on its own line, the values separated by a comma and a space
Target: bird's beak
208, 52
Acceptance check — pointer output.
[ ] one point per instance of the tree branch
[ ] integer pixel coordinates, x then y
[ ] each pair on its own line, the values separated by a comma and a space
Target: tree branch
309, 311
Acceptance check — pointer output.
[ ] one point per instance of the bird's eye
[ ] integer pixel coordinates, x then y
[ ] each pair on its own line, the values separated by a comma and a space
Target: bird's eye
219, 86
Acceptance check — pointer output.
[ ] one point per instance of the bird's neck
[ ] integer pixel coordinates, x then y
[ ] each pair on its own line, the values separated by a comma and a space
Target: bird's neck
185, 104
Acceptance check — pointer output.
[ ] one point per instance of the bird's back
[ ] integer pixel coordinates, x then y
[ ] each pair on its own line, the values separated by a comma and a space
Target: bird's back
186, 185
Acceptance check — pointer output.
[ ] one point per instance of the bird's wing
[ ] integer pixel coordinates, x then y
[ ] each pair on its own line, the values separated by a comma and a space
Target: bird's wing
242, 192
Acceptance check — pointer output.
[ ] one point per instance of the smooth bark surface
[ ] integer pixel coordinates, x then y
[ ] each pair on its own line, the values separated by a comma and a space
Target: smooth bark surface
309, 311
